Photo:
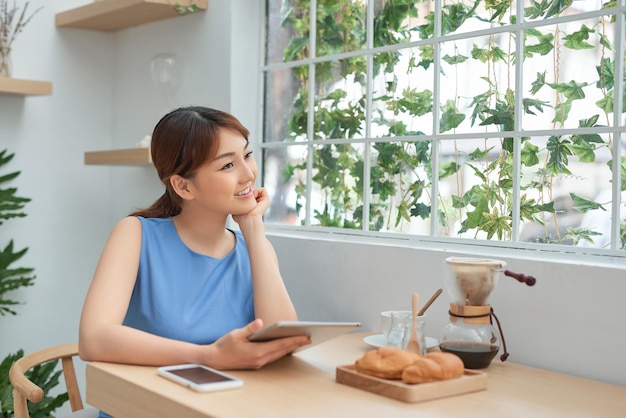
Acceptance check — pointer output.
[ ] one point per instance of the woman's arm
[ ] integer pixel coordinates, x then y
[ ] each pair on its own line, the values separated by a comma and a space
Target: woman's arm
102, 337
271, 299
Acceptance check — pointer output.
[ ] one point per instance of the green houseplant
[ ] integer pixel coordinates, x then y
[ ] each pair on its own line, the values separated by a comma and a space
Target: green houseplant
13, 278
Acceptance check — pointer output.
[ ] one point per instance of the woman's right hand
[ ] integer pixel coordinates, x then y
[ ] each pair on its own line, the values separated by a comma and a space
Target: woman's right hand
235, 351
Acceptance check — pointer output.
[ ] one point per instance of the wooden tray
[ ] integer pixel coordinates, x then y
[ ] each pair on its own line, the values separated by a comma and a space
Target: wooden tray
471, 381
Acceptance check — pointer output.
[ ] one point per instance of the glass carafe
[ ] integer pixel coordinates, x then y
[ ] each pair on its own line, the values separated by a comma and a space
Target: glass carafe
471, 336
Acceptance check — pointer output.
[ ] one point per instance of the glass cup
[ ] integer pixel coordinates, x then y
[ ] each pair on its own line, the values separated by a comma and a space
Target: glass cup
399, 327
421, 335
385, 321
399, 331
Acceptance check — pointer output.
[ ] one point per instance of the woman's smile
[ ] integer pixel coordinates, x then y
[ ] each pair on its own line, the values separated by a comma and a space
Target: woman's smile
247, 192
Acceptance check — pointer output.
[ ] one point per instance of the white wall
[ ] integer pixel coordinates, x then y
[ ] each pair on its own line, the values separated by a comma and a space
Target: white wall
103, 98
571, 321
64, 230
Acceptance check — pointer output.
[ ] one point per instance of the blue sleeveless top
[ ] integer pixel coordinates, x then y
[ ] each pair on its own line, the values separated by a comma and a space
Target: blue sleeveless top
187, 296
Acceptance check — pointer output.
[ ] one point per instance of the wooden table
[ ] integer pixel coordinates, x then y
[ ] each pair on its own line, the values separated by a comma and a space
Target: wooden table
303, 385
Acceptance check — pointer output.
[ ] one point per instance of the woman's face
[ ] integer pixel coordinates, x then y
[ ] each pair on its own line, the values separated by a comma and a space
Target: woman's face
225, 184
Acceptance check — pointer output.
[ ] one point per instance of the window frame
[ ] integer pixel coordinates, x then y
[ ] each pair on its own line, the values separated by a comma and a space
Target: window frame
514, 248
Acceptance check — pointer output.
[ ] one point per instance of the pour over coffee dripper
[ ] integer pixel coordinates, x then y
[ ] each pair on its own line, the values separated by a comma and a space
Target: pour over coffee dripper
470, 334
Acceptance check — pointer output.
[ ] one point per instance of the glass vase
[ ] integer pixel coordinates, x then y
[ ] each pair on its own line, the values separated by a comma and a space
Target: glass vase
5, 61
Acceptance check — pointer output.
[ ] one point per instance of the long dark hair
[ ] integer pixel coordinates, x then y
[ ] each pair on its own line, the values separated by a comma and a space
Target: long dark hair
183, 141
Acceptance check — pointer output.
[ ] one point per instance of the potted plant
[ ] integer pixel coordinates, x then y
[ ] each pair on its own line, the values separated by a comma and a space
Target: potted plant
13, 278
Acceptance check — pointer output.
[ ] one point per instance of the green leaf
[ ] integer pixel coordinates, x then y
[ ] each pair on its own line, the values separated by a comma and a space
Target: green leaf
584, 151
606, 74
580, 234
561, 111
45, 376
480, 54
536, 9
296, 49
478, 172
529, 209
498, 7
584, 205
454, 15
530, 154
589, 122
451, 118
578, 40
420, 210
559, 152
183, 10
457, 59
530, 103
539, 82
414, 102
502, 115
427, 55
544, 45
606, 103
496, 224
571, 90
556, 7
447, 169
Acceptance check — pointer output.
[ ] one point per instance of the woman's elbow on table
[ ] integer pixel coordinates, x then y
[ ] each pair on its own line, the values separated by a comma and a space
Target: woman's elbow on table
91, 346
86, 349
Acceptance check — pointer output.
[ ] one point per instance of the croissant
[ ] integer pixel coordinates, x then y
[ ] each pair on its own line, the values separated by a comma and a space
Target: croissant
433, 367
385, 362
396, 363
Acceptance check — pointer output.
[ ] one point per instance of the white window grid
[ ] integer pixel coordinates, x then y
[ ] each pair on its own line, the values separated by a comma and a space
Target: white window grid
617, 130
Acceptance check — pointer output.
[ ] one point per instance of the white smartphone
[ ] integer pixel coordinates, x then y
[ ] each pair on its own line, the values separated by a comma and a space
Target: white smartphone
199, 378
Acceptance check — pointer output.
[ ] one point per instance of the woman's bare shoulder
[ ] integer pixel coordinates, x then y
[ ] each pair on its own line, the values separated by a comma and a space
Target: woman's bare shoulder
130, 225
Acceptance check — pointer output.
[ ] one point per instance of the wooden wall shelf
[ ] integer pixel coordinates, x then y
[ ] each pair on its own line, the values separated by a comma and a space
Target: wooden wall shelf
131, 156
19, 87
113, 15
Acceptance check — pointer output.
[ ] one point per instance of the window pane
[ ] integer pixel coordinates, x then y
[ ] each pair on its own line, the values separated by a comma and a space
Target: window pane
551, 76
568, 70
401, 21
470, 15
475, 189
340, 99
286, 104
477, 82
402, 102
340, 26
537, 10
284, 176
400, 181
569, 178
287, 28
337, 188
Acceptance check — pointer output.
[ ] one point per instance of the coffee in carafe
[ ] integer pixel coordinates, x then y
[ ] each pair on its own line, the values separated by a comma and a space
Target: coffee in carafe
470, 334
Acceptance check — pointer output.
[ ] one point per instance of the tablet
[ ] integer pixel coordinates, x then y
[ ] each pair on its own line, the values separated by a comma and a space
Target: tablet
316, 330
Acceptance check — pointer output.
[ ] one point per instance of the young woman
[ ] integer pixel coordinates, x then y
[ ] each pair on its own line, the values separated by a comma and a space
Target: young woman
173, 284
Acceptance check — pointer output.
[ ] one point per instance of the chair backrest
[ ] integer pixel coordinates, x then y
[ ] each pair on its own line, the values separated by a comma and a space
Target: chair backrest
24, 389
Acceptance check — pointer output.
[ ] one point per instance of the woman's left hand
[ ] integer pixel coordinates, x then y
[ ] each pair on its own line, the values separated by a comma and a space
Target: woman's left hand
262, 205
235, 351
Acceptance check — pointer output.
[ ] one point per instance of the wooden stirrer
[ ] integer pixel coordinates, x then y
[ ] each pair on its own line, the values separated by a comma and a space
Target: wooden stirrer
414, 344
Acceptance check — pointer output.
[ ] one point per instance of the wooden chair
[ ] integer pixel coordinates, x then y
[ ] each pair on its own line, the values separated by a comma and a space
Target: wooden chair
24, 389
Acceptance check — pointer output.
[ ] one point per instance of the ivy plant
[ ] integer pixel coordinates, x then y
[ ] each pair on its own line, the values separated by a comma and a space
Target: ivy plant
401, 172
